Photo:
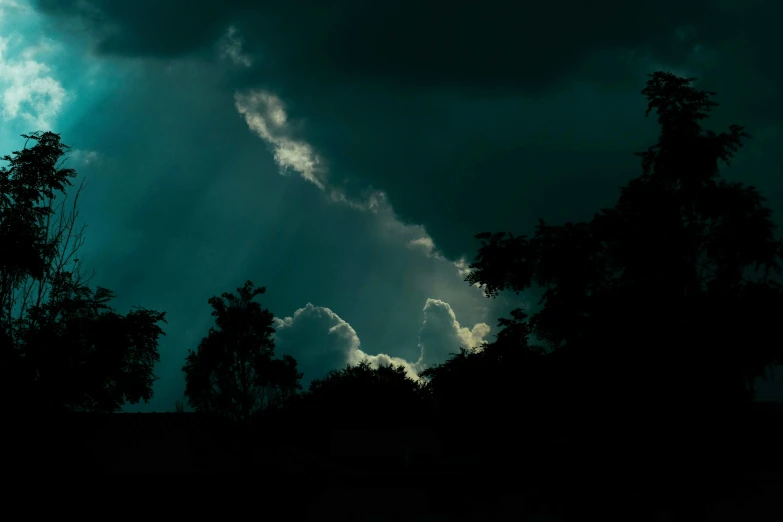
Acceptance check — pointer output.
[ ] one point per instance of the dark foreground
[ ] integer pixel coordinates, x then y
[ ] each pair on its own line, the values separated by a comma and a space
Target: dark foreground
364, 475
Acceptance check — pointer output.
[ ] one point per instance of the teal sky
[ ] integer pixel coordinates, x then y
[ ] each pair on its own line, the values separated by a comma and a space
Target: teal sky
344, 156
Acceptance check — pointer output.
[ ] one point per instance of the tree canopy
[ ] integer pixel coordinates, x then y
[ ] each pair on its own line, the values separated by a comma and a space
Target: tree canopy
234, 372
365, 396
660, 311
63, 347
675, 277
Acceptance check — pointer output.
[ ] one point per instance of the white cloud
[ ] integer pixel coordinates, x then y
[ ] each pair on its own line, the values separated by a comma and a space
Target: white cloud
462, 268
29, 91
321, 340
317, 338
441, 334
231, 48
265, 114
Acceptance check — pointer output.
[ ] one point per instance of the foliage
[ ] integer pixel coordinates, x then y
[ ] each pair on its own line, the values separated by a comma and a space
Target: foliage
83, 355
500, 392
494, 371
364, 396
233, 372
658, 314
63, 347
668, 294
28, 188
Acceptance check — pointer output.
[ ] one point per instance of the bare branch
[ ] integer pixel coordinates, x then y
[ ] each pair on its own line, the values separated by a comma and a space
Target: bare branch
59, 231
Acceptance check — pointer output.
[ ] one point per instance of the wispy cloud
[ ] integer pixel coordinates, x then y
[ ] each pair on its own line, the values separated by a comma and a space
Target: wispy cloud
231, 49
84, 158
265, 114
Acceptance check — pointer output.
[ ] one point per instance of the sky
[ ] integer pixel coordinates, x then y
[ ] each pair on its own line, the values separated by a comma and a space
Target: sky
344, 154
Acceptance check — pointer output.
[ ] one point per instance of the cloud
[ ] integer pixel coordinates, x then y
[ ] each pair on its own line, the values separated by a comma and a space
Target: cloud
29, 90
444, 43
438, 114
441, 334
317, 338
371, 203
462, 268
83, 158
425, 244
483, 121
174, 150
231, 49
321, 340
266, 116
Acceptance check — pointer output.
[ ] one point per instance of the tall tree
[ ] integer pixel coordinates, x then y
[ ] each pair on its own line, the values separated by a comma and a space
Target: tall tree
63, 348
38, 235
234, 372
667, 302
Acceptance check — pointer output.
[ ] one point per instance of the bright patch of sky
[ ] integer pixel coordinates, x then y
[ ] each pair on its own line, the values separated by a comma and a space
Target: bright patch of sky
43, 85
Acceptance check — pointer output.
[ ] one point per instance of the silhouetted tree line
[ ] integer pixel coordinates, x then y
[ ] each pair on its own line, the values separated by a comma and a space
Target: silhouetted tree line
62, 346
657, 317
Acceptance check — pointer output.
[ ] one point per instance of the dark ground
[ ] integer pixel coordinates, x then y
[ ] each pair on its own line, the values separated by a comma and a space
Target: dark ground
470, 486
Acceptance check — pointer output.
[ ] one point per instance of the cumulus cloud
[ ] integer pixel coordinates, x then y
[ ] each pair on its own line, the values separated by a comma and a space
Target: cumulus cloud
441, 334
317, 338
321, 340
29, 90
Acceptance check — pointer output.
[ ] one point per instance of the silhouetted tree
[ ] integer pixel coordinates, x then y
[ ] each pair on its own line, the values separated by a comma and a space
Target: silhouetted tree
63, 347
496, 395
663, 304
234, 372
357, 397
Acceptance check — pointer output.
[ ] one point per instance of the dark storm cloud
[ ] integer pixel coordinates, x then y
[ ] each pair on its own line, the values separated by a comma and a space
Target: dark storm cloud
487, 45
433, 102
